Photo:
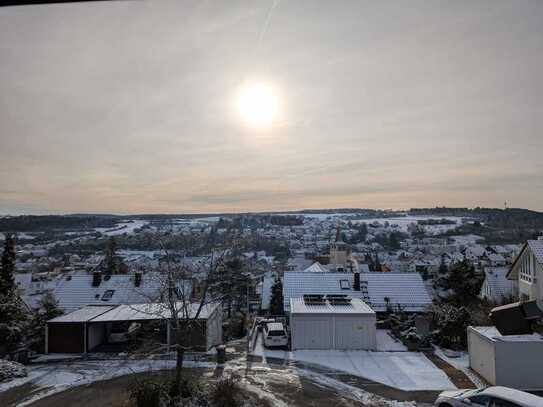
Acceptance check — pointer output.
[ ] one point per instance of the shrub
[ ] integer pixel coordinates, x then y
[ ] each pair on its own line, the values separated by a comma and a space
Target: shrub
226, 393
148, 392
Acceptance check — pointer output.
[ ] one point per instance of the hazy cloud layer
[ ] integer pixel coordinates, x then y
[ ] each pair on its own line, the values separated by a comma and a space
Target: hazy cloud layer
129, 106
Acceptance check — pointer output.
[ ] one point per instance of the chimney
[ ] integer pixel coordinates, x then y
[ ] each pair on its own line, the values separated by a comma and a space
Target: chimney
356, 284
96, 278
137, 279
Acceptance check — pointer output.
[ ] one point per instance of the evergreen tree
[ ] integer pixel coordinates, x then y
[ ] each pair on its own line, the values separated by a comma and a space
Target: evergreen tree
48, 309
460, 285
377, 264
7, 282
13, 322
276, 302
111, 260
443, 269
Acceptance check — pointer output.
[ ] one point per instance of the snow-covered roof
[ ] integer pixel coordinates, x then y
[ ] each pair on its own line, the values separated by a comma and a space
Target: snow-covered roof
404, 289
316, 268
536, 246
76, 291
83, 314
22, 280
357, 306
132, 312
492, 333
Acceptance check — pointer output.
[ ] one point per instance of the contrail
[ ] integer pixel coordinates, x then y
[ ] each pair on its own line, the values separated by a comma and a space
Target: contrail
266, 23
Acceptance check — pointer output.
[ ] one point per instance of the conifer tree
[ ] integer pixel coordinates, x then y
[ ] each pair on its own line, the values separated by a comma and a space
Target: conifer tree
276, 302
48, 309
7, 282
111, 260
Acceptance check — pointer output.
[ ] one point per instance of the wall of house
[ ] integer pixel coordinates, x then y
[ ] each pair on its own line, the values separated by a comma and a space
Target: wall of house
214, 329
518, 364
482, 357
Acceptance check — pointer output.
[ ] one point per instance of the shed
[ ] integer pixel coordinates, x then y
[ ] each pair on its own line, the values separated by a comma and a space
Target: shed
506, 360
332, 322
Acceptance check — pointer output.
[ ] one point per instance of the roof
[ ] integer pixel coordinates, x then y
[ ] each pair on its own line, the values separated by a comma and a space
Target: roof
496, 279
490, 332
316, 268
404, 289
536, 247
357, 306
83, 314
130, 312
76, 291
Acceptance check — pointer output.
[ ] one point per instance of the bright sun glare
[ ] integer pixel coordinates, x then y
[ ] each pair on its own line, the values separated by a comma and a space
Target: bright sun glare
258, 105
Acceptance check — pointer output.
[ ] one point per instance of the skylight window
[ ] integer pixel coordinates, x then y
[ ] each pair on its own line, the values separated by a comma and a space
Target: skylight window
107, 295
345, 284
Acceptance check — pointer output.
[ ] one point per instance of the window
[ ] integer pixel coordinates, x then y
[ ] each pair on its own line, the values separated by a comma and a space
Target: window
480, 400
107, 295
502, 403
345, 284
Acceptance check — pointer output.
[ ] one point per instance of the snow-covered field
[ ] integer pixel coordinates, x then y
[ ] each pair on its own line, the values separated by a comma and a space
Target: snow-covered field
402, 370
123, 227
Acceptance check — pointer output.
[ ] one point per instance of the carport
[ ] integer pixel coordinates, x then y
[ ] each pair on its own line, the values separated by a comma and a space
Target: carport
83, 330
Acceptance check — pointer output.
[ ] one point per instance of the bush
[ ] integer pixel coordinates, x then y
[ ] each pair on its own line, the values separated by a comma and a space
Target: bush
148, 392
226, 393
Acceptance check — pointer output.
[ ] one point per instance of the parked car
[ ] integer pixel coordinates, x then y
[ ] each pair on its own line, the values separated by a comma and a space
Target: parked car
496, 396
274, 334
123, 332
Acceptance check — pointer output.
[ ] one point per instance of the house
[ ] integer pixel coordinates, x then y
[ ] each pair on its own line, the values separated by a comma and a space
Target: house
87, 328
506, 360
332, 322
496, 287
378, 290
527, 269
74, 291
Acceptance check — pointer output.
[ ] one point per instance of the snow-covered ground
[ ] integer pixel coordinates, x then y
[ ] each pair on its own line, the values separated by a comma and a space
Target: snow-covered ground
461, 363
123, 227
386, 343
55, 378
402, 370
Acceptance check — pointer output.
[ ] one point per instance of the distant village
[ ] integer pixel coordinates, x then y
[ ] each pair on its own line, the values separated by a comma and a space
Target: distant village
317, 282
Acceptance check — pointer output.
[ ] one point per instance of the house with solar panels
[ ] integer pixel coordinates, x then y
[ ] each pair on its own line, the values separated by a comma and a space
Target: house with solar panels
380, 291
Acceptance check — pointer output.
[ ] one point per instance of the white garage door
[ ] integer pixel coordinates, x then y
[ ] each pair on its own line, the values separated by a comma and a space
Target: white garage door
351, 334
312, 334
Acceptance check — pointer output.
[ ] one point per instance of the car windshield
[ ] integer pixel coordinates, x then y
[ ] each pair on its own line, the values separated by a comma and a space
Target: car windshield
276, 333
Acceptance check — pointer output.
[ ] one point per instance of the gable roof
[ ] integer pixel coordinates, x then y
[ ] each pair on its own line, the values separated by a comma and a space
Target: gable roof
404, 289
536, 247
76, 291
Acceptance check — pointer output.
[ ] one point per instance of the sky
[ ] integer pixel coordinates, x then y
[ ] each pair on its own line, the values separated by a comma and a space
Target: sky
130, 106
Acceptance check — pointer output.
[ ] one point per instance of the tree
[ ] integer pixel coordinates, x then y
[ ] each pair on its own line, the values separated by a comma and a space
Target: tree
377, 264
48, 309
112, 262
443, 269
460, 285
276, 302
7, 282
233, 285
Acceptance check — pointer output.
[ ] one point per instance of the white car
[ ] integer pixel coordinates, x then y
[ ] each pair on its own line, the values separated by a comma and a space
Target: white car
496, 396
274, 334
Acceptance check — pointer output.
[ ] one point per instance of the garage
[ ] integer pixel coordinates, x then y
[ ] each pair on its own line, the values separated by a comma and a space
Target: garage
506, 360
331, 322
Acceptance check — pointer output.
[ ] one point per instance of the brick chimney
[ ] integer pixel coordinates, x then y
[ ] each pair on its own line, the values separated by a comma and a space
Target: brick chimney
356, 284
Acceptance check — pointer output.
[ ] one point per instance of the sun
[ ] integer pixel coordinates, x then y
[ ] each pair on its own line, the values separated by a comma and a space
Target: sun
258, 105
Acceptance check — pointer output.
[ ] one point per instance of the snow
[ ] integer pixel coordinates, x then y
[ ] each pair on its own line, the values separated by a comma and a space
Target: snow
402, 370
9, 370
122, 227
461, 363
385, 342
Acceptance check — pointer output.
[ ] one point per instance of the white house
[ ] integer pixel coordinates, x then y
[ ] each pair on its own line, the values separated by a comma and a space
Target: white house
527, 269
497, 287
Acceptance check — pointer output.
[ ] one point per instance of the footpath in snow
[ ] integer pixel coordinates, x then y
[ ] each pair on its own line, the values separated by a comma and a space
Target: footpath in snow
392, 365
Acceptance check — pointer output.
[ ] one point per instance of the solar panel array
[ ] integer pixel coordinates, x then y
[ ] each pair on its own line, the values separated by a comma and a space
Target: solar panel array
332, 299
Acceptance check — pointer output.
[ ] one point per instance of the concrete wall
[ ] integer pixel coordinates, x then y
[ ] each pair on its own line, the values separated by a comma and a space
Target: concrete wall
481, 355
520, 365
96, 335
333, 331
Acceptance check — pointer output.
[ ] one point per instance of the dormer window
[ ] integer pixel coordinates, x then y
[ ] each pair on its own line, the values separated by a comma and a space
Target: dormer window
108, 295
345, 284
